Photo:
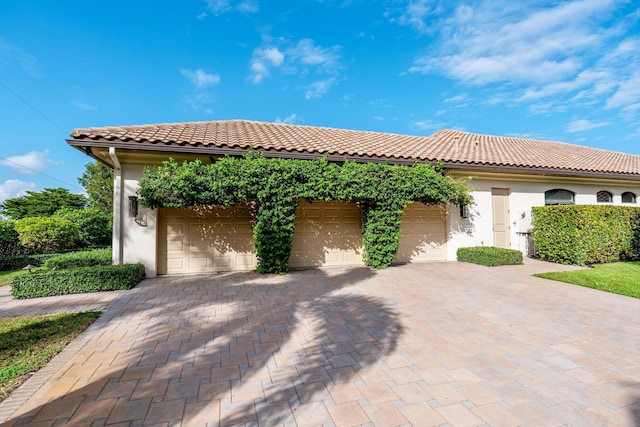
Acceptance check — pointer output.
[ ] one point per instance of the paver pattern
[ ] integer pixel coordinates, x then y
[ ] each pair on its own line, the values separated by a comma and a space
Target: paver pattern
448, 344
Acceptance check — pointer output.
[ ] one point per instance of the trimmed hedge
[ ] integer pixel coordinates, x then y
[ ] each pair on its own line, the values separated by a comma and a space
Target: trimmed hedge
489, 256
18, 262
586, 234
80, 259
77, 280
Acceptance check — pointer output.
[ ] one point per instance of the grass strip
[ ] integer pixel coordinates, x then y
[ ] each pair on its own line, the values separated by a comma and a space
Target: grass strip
27, 343
619, 278
6, 276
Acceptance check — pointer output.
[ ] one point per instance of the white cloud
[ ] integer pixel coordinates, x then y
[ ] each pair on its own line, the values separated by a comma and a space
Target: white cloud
416, 13
30, 163
319, 88
309, 54
303, 58
627, 95
288, 120
584, 50
262, 59
200, 78
222, 6
82, 105
540, 45
201, 96
457, 98
248, 7
584, 125
428, 125
14, 188
584, 79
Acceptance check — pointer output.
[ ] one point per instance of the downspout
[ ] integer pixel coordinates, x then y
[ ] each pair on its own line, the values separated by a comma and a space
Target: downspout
117, 207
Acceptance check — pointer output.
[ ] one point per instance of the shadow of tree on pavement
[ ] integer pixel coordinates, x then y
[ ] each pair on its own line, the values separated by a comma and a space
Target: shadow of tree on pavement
230, 348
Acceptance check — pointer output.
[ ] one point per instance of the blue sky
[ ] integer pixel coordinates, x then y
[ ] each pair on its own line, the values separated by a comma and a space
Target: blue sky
566, 70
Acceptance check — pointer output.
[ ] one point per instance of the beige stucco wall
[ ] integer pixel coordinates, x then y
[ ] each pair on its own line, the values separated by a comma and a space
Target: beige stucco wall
138, 235
525, 193
137, 240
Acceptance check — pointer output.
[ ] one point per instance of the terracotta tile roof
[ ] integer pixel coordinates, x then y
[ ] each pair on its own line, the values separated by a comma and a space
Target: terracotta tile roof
449, 146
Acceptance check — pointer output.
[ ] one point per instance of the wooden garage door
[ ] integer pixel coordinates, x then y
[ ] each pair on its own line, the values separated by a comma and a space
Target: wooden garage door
202, 240
424, 234
326, 234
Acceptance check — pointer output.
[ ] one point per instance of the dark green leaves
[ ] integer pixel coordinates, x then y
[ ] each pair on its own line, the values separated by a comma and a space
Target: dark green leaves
276, 185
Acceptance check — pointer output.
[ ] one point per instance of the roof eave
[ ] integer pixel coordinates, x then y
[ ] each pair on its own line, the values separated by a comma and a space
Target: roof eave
540, 170
85, 145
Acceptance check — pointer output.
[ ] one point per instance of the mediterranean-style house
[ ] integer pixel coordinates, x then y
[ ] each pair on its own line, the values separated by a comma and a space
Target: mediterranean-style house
510, 176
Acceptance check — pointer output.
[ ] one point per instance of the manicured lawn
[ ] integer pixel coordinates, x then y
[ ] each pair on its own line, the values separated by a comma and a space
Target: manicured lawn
6, 276
27, 343
619, 278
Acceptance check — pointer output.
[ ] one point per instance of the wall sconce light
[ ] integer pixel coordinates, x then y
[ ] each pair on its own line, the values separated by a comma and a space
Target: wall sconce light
464, 211
133, 206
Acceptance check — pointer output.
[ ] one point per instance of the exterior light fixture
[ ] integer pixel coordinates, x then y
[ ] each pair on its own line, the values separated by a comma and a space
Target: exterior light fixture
464, 211
133, 206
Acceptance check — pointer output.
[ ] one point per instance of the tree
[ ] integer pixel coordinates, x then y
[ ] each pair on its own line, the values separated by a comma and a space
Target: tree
94, 226
97, 181
41, 203
45, 235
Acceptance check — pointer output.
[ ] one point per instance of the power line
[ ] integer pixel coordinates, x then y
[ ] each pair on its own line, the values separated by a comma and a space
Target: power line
34, 108
39, 173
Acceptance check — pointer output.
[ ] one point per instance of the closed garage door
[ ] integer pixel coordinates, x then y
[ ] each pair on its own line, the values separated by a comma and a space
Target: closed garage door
424, 234
327, 234
202, 240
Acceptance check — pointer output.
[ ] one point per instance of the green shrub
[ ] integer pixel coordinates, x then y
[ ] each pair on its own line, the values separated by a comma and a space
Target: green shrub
94, 226
76, 280
18, 262
489, 256
9, 239
273, 188
80, 259
586, 234
46, 234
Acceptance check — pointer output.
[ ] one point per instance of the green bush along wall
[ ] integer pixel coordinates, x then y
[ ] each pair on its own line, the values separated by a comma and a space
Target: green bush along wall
274, 187
586, 234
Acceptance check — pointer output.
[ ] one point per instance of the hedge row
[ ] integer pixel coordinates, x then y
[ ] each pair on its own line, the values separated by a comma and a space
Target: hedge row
489, 256
80, 259
76, 280
586, 234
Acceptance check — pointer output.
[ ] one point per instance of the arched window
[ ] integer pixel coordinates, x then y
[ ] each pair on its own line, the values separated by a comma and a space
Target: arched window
559, 197
628, 197
604, 197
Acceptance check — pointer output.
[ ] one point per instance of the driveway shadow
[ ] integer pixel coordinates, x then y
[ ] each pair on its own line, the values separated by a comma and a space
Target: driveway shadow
230, 348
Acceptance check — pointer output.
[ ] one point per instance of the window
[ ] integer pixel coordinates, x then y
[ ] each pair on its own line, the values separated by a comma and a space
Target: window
604, 197
559, 197
628, 197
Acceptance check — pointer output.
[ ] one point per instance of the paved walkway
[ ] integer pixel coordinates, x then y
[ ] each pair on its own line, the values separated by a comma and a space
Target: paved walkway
448, 344
96, 301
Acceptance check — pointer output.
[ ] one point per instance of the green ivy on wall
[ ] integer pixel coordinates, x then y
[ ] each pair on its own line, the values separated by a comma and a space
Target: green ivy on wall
274, 187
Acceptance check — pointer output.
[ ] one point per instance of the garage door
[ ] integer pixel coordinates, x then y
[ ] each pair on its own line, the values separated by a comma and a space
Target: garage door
202, 240
327, 234
424, 234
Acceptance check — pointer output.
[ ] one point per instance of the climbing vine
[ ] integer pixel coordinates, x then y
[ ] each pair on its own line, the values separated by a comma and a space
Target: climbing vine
275, 186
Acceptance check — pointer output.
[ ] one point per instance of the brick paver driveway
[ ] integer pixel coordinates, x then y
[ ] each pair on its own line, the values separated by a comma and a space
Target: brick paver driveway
433, 344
